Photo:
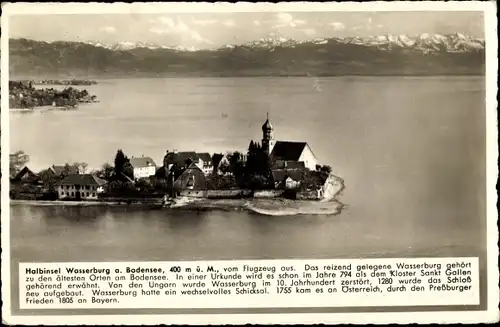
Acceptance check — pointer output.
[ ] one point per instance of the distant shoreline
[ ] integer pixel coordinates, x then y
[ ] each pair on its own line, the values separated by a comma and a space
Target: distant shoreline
58, 81
138, 76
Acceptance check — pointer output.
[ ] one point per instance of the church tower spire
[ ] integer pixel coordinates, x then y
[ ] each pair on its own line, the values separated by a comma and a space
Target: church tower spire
267, 136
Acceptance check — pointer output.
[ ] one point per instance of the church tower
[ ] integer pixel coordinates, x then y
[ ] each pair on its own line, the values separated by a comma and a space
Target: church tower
267, 137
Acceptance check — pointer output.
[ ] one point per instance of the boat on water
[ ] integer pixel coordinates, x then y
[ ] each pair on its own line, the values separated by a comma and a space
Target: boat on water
317, 85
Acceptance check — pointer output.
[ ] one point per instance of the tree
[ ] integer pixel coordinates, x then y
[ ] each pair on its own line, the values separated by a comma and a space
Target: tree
251, 148
217, 182
158, 183
236, 165
48, 179
234, 160
120, 161
326, 169
324, 172
251, 164
17, 161
122, 165
128, 170
67, 170
106, 172
258, 167
119, 188
81, 166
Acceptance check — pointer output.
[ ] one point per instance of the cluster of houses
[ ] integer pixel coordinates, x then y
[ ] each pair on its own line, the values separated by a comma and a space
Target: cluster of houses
75, 185
290, 160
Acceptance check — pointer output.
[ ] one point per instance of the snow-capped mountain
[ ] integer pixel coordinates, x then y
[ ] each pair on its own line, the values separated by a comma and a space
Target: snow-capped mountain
320, 41
270, 43
455, 54
126, 46
179, 48
426, 43
98, 44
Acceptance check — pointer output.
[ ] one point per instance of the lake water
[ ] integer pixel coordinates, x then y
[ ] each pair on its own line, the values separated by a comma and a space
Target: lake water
411, 152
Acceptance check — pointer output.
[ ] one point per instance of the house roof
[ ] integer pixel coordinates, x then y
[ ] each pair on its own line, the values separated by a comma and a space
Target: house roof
27, 175
59, 169
280, 175
205, 156
189, 171
82, 179
289, 151
282, 164
142, 162
192, 167
180, 158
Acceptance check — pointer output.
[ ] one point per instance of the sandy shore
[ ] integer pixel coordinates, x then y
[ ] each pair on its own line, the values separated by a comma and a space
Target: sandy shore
328, 205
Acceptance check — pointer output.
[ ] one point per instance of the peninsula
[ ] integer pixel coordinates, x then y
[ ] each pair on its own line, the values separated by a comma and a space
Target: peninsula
278, 174
23, 95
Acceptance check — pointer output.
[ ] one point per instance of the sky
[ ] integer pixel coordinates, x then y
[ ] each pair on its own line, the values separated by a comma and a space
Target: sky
215, 29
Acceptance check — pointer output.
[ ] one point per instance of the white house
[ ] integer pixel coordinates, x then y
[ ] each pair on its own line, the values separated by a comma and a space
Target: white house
221, 164
143, 167
291, 184
205, 163
288, 179
80, 187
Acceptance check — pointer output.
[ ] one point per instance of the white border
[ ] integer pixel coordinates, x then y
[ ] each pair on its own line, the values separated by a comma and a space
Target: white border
200, 7
5, 207
491, 315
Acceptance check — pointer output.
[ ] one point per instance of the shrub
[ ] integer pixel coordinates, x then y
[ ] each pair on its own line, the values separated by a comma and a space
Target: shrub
221, 182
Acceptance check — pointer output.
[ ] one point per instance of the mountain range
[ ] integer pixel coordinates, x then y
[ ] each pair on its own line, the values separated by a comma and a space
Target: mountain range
425, 54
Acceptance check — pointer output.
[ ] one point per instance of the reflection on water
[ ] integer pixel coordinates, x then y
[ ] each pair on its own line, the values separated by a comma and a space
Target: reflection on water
66, 233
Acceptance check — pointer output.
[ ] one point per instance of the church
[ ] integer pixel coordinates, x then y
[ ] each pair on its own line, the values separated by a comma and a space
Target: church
286, 153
